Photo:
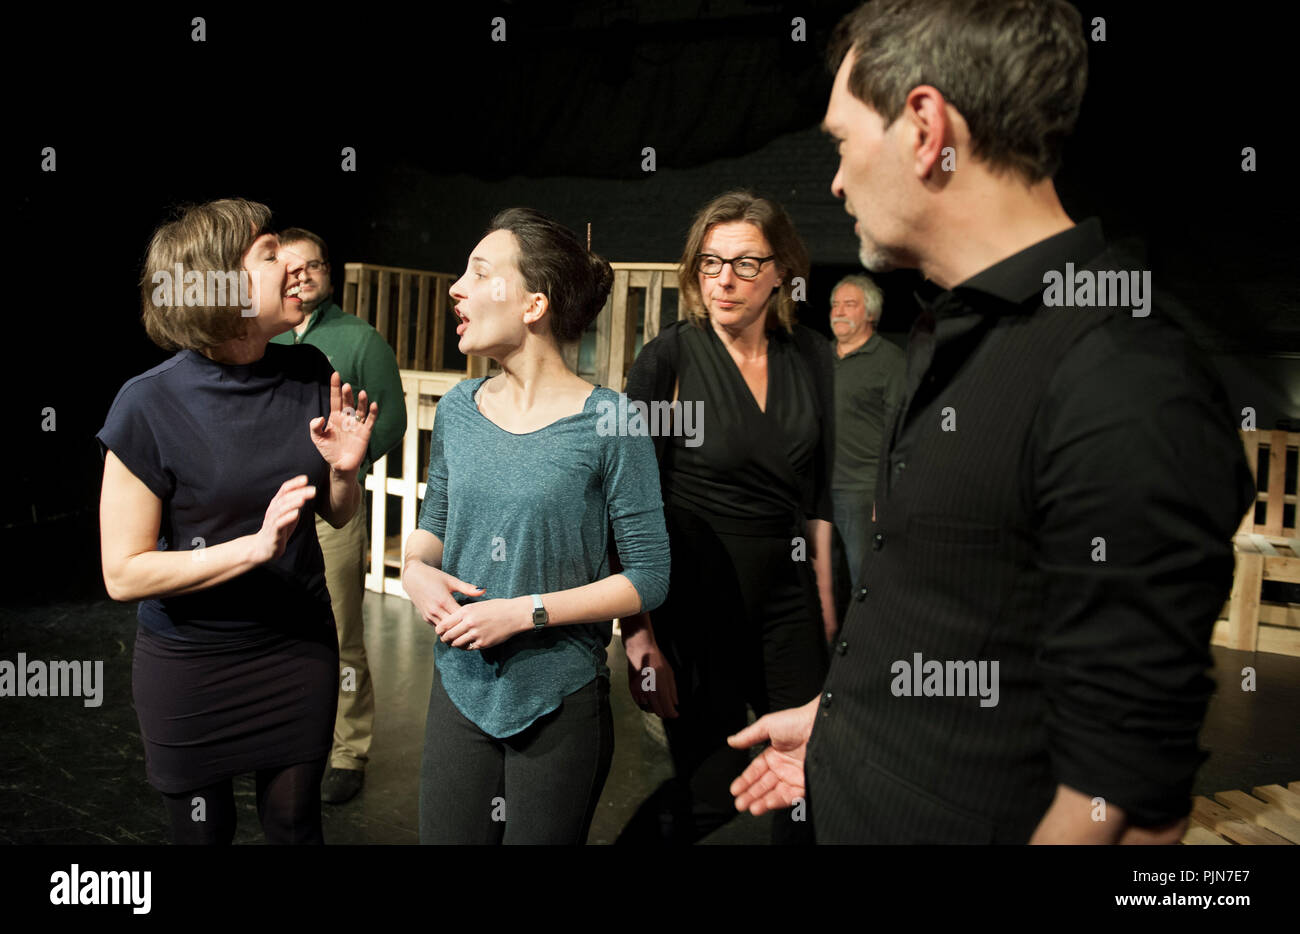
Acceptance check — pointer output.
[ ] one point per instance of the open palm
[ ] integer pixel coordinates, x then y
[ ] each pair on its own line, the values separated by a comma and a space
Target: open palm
775, 778
344, 437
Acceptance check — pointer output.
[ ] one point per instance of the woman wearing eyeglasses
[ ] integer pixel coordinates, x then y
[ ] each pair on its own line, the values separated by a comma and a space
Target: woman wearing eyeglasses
749, 607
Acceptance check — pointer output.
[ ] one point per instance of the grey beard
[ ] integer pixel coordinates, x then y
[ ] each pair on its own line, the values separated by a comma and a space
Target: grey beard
877, 261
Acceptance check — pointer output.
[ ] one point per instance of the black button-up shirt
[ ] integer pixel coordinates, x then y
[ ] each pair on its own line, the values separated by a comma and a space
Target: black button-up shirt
1073, 479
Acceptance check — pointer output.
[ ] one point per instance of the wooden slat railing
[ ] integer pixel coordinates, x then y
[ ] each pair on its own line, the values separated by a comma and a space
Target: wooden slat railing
635, 303
410, 308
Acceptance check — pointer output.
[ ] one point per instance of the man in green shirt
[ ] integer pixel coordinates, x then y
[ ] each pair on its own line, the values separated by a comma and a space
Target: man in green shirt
364, 359
869, 374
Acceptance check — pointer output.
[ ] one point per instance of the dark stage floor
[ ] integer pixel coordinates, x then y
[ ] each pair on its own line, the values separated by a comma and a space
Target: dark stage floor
75, 774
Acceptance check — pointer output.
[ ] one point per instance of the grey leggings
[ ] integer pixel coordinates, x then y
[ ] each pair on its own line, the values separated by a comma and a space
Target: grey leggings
538, 786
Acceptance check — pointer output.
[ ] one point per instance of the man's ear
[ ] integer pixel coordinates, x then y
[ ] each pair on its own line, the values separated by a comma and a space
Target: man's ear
927, 114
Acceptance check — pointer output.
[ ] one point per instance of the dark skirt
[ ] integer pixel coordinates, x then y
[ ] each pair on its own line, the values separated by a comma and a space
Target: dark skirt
209, 712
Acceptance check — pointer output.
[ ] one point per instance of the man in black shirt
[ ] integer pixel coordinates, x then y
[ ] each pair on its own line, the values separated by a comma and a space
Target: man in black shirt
1025, 657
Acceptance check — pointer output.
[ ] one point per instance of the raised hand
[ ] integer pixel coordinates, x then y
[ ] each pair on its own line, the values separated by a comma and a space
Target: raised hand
281, 518
343, 438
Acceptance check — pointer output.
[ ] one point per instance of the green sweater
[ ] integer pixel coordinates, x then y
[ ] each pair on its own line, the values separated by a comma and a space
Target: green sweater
364, 359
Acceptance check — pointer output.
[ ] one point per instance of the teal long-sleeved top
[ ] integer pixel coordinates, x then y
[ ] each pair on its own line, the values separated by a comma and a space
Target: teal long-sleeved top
520, 514
364, 360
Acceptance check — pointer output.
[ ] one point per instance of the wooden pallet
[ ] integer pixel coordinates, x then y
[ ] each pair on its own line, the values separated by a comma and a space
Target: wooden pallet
1265, 550
1251, 624
1270, 815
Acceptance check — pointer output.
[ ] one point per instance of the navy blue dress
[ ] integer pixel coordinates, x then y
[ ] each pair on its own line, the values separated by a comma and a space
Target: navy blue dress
244, 675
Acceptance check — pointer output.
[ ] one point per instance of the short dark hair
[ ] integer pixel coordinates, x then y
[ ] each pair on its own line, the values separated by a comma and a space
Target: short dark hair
769, 217
554, 262
1015, 69
298, 234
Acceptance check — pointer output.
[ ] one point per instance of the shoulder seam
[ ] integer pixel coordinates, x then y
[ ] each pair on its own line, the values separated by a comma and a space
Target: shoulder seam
153, 372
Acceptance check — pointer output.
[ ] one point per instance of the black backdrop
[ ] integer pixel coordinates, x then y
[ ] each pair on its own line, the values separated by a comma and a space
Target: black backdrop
450, 126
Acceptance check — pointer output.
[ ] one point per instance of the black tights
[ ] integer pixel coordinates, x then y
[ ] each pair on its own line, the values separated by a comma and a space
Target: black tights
288, 805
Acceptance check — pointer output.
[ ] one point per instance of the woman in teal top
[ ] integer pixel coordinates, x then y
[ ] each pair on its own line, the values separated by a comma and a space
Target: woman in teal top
528, 471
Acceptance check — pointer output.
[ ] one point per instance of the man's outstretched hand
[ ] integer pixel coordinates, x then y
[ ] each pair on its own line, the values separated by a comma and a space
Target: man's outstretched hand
774, 779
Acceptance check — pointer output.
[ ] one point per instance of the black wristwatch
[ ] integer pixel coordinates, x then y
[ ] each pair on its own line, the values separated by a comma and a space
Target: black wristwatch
539, 614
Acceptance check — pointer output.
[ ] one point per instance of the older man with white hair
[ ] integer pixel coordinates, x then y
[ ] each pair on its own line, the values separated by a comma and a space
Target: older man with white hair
869, 382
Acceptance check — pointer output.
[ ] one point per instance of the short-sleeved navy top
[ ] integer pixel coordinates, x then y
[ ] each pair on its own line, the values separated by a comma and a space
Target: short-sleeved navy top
214, 442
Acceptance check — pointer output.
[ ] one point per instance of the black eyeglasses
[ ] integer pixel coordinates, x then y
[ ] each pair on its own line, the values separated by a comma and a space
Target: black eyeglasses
747, 267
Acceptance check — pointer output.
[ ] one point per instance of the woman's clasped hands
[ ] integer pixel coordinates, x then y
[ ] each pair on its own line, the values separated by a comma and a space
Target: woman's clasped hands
478, 625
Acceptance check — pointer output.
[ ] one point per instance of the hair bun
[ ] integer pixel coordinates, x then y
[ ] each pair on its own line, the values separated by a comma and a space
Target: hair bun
602, 281
552, 260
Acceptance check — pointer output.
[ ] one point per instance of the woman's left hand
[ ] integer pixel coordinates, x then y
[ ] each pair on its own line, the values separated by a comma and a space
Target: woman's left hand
343, 438
485, 623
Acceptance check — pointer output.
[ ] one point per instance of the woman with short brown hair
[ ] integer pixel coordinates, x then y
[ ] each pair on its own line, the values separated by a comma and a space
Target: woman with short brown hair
236, 657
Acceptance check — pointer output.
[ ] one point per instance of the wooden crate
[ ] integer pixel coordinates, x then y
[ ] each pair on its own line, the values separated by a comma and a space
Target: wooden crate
411, 309
1267, 550
1270, 815
636, 298
421, 392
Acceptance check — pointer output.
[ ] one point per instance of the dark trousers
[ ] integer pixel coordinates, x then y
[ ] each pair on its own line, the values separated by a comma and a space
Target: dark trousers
852, 510
741, 627
538, 786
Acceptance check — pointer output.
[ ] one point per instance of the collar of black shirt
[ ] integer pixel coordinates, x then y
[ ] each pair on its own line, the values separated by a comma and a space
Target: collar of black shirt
1015, 285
